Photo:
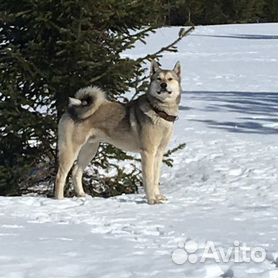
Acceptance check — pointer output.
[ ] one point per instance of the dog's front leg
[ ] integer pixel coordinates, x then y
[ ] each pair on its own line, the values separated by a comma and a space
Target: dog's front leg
157, 166
148, 160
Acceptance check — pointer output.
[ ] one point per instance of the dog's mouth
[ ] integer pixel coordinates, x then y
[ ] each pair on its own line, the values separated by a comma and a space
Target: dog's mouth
164, 91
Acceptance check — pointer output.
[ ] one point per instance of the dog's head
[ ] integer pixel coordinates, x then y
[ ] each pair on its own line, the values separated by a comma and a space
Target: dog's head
165, 84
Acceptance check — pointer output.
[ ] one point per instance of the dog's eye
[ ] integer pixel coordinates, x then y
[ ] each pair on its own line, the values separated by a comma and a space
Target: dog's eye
158, 78
170, 79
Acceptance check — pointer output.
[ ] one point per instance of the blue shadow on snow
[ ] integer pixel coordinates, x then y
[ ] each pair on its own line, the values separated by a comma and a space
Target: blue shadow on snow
253, 112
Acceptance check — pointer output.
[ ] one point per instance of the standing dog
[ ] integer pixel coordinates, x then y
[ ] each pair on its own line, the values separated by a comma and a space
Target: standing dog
143, 125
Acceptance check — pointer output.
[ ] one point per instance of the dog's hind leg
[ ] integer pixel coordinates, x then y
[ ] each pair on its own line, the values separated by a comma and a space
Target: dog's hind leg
67, 155
86, 154
69, 146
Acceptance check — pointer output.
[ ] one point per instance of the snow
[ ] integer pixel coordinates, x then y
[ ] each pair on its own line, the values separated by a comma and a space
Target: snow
222, 188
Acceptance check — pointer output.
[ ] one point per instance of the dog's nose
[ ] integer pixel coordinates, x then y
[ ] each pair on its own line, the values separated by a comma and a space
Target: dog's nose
163, 85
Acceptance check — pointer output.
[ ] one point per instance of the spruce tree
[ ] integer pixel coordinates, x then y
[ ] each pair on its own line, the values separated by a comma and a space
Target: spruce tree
49, 49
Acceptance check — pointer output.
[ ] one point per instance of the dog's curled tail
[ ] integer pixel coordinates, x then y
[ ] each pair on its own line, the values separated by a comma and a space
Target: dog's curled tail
86, 102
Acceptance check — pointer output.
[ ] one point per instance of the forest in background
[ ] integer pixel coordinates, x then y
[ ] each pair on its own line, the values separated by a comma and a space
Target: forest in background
204, 12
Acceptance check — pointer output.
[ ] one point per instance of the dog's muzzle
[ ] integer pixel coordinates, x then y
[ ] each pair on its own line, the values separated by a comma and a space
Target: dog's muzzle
164, 91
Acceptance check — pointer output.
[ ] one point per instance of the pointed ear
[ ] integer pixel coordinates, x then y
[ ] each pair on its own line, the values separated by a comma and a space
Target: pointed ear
177, 69
154, 67
74, 101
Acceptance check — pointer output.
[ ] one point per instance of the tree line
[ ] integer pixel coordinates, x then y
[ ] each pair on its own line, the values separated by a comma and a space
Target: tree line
204, 12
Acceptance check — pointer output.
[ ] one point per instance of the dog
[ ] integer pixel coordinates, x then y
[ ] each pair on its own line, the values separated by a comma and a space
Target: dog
143, 125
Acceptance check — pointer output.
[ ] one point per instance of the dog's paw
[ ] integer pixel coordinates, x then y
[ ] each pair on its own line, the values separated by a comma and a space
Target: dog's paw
59, 197
81, 194
161, 197
151, 201
158, 199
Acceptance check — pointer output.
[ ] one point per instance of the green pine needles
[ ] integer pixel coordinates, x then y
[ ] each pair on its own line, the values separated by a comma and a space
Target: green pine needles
48, 50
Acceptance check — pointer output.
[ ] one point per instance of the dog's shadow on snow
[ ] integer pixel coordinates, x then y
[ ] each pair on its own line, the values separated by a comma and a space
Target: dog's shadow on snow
248, 112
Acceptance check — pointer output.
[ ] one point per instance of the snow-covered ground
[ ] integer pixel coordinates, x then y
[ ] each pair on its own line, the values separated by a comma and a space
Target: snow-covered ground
221, 190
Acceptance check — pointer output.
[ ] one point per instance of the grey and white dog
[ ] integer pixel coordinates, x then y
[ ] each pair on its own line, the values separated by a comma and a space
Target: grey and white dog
143, 125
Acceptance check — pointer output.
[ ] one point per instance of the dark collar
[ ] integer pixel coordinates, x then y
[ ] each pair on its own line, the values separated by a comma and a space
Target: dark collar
162, 114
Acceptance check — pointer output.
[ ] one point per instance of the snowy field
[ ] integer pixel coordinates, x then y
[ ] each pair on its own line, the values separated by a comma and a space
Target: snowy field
222, 189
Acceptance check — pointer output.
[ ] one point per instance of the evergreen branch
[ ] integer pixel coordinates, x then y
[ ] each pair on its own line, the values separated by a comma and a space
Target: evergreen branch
134, 37
98, 77
179, 147
167, 159
170, 47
